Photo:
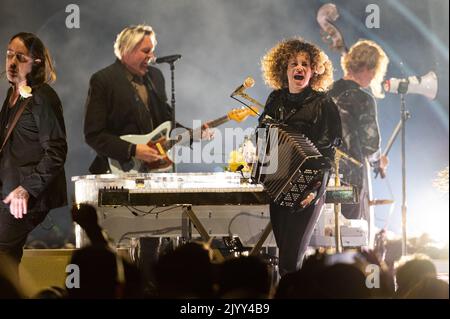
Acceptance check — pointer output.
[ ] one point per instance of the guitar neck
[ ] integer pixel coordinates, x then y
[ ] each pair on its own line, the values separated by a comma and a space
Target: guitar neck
211, 124
218, 122
196, 132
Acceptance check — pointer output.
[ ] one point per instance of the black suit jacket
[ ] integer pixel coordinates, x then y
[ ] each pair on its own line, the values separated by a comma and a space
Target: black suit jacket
35, 153
113, 109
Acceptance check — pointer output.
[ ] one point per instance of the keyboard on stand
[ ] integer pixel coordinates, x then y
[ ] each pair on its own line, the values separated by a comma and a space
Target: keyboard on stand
168, 205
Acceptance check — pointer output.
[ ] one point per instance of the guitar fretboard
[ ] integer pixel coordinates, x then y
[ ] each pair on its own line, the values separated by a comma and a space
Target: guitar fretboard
196, 132
219, 121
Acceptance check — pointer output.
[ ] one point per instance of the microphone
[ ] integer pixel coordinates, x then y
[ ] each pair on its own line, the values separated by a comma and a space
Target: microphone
248, 83
164, 59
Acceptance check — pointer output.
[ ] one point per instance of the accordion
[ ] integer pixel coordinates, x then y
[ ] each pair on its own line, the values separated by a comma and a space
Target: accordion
289, 166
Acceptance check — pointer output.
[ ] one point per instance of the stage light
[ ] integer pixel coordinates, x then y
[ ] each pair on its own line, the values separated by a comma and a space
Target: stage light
432, 218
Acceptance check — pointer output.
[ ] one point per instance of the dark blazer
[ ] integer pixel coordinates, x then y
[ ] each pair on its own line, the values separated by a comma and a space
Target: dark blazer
113, 108
35, 153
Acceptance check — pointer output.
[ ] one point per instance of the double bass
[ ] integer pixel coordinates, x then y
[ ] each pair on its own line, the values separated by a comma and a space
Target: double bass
326, 16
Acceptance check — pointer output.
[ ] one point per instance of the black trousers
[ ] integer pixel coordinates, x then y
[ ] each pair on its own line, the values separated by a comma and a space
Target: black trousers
293, 229
14, 232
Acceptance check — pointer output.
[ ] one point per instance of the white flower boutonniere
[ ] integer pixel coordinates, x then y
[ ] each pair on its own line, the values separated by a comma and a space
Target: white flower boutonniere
320, 69
25, 91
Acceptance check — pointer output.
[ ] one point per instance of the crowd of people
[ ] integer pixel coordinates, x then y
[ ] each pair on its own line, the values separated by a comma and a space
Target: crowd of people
189, 272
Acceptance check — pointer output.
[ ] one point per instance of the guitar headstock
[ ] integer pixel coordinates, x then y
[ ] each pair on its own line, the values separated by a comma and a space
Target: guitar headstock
240, 115
326, 15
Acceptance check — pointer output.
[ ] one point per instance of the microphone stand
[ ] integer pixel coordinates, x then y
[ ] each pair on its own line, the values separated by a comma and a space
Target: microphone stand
172, 104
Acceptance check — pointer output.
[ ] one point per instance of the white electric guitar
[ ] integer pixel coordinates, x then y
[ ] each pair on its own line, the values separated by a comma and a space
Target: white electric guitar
159, 140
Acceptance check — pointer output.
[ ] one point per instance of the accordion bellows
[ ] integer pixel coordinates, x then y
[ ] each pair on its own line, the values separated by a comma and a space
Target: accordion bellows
289, 166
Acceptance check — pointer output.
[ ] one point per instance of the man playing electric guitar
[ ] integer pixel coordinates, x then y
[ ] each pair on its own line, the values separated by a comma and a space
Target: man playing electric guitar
127, 97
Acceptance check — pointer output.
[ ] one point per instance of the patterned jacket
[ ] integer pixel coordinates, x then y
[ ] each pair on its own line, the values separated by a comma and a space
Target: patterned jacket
360, 139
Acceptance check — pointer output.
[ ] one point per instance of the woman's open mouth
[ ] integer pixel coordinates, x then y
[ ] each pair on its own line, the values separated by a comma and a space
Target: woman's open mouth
299, 77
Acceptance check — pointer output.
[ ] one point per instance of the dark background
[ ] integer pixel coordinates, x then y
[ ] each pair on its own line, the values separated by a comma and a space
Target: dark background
222, 42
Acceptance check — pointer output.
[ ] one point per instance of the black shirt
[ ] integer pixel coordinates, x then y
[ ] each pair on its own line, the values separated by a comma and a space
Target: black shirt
6, 114
310, 112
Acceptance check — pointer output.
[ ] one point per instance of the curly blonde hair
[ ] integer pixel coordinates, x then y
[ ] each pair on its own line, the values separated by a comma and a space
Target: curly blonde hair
367, 54
275, 63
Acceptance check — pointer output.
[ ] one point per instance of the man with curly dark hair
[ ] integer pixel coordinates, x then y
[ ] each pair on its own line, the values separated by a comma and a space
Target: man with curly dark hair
300, 74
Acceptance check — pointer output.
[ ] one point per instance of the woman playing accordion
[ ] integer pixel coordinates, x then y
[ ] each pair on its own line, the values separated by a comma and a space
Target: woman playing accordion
300, 74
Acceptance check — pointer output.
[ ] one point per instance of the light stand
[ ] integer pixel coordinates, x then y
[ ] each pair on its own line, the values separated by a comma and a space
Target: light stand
426, 85
404, 116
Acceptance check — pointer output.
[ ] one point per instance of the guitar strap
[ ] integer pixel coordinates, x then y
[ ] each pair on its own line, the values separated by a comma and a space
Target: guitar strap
13, 122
